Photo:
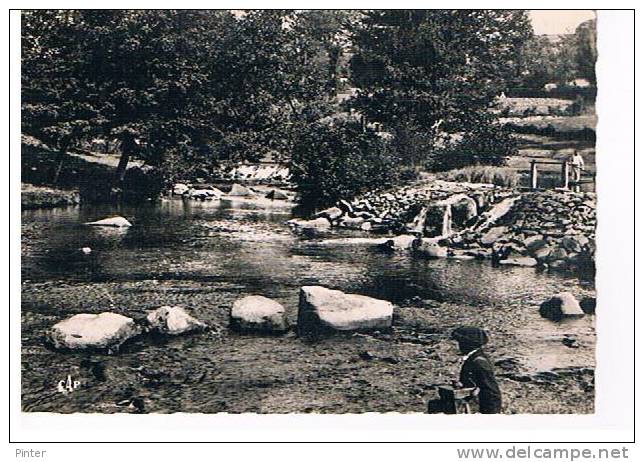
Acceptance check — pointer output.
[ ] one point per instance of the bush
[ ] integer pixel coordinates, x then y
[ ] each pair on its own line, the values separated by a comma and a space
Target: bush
487, 144
140, 184
339, 161
500, 176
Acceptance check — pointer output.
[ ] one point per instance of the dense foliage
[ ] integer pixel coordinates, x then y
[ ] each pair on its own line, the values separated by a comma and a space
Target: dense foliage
186, 91
206, 84
435, 72
332, 161
486, 144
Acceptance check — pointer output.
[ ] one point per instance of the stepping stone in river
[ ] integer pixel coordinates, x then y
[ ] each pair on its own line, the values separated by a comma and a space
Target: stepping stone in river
323, 311
258, 314
173, 320
116, 222
104, 331
560, 306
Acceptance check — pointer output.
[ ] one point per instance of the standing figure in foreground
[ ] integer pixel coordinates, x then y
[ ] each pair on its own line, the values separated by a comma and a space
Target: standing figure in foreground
477, 370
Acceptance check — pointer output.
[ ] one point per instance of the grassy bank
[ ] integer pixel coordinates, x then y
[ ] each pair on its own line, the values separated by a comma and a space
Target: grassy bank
37, 197
499, 176
580, 127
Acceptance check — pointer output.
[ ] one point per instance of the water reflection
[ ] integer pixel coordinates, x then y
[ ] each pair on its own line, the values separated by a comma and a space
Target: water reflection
240, 242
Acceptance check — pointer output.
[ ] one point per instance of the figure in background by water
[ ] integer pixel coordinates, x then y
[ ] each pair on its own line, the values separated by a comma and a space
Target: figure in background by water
477, 370
577, 164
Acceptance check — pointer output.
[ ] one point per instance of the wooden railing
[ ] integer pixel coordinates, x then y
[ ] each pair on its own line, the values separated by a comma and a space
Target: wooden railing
566, 182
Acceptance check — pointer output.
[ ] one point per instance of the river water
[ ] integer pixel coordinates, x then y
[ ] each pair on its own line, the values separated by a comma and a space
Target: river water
212, 252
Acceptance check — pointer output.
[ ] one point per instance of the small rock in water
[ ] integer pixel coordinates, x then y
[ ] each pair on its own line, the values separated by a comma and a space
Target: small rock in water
205, 194
318, 224
86, 250
563, 305
173, 320
519, 261
277, 195
402, 242
431, 250
240, 191
180, 188
588, 305
331, 214
570, 342
117, 222
352, 223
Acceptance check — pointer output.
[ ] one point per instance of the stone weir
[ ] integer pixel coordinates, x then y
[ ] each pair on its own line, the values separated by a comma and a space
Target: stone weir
554, 229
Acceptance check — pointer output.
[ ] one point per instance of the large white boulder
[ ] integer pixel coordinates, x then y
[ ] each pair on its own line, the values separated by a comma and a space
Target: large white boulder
563, 305
104, 331
258, 314
173, 320
323, 310
116, 222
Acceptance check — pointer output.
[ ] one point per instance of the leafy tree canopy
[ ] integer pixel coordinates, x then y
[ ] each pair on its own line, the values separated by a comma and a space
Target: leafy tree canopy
204, 81
435, 67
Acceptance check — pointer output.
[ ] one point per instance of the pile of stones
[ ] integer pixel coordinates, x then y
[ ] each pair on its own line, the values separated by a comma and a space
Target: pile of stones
550, 229
394, 211
553, 229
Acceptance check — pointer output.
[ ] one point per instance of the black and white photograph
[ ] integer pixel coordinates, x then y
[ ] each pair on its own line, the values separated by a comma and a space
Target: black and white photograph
309, 211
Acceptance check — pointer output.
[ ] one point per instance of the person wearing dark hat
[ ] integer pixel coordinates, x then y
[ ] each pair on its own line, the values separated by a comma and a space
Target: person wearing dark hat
477, 370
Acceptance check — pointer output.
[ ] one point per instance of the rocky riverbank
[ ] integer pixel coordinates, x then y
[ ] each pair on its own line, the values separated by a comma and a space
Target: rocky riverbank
206, 256
224, 371
550, 229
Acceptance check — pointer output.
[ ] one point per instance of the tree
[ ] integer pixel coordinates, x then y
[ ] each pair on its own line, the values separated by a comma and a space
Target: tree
198, 85
539, 63
53, 107
276, 89
337, 160
560, 59
586, 50
140, 76
435, 70
330, 31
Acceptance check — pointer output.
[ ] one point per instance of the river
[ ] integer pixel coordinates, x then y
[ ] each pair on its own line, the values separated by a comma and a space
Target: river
204, 255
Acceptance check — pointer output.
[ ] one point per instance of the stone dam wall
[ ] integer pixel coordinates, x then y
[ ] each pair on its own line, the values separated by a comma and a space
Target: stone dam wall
552, 229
